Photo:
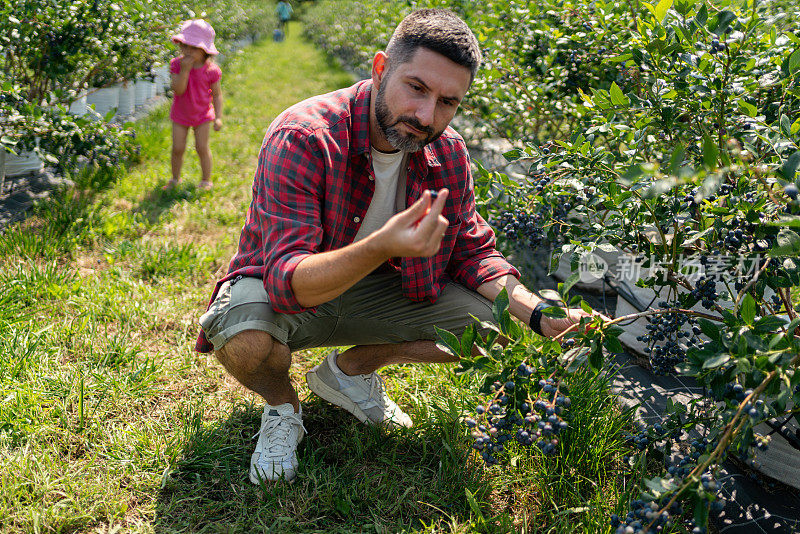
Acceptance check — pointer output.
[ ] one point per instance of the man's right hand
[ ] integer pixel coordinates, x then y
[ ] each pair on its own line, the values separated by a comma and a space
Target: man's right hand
417, 231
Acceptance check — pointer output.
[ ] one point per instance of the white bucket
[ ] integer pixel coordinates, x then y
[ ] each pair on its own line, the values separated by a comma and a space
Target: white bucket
240, 43
127, 99
104, 99
2, 168
162, 78
78, 107
144, 89
24, 163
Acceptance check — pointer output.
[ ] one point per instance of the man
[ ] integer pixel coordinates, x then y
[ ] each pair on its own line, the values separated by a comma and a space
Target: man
362, 231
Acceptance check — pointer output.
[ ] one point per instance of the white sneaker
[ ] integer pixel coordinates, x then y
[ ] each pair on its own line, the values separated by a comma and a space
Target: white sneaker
362, 395
276, 451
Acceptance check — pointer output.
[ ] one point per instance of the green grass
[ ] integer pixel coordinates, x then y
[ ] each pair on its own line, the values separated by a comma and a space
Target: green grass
109, 421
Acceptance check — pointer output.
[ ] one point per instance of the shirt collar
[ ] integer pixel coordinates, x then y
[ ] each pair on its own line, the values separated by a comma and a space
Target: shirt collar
426, 156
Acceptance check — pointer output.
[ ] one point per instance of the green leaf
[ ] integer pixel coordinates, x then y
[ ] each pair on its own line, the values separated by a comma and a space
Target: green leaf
710, 152
449, 342
770, 323
786, 126
596, 356
702, 16
677, 158
554, 311
617, 96
613, 345
467, 340
790, 221
787, 244
473, 504
549, 294
500, 306
794, 62
661, 9
724, 20
709, 329
789, 167
716, 361
748, 309
513, 154
747, 108
571, 280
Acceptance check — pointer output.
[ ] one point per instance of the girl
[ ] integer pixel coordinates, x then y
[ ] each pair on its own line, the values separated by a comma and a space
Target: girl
198, 97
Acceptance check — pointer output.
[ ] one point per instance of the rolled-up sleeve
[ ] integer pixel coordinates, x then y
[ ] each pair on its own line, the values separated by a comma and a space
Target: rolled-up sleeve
287, 206
475, 260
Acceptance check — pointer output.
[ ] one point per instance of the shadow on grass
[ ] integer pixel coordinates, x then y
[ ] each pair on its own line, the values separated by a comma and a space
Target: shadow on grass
352, 478
159, 200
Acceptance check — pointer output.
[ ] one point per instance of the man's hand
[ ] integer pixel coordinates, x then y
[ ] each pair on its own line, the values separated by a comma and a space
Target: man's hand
552, 326
417, 231
217, 124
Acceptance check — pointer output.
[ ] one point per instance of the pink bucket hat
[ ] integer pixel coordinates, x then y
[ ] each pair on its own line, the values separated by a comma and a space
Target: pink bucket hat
199, 33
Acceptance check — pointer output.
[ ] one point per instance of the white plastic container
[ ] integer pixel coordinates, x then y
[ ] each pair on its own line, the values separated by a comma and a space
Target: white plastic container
24, 163
104, 99
162, 78
127, 99
144, 90
241, 43
78, 107
2, 169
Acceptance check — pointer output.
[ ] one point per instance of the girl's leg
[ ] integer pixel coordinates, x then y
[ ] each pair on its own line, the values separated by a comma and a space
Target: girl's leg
179, 135
201, 144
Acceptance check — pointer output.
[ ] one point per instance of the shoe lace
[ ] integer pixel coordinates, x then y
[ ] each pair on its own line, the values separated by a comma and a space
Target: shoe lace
376, 383
279, 429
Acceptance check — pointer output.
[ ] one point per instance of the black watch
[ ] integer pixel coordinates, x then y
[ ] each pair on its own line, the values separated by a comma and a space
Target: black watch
535, 321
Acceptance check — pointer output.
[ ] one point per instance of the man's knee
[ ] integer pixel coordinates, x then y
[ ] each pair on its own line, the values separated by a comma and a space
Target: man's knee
254, 351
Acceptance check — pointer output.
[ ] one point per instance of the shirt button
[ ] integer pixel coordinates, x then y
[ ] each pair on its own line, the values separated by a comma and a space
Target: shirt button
356, 219
371, 178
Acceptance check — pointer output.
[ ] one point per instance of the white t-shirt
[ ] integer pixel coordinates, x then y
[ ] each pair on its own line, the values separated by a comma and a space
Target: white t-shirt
390, 191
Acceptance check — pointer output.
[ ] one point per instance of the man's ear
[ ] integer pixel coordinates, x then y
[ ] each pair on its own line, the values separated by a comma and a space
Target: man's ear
378, 68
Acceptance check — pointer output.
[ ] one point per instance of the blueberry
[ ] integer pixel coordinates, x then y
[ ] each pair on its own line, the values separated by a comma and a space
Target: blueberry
791, 191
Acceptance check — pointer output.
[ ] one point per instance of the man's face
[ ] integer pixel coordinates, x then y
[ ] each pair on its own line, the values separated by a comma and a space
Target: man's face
416, 100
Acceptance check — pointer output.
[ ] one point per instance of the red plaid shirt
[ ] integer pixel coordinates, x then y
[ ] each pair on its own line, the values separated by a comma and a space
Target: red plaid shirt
314, 183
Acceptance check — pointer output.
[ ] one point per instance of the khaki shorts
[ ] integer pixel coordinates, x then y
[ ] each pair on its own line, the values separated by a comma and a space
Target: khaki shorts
372, 312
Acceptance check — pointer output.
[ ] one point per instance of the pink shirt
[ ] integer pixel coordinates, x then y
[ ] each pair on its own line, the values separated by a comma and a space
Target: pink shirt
195, 106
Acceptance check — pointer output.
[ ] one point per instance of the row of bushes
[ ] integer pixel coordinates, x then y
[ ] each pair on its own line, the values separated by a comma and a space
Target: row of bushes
667, 132
52, 51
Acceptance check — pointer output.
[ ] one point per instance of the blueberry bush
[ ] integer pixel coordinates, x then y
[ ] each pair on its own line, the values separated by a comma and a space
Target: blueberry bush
666, 133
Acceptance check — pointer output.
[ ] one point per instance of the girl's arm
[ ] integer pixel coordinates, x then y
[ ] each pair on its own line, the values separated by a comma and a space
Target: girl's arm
181, 80
216, 94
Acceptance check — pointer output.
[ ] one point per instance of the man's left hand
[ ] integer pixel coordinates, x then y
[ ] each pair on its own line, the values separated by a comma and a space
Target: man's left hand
552, 326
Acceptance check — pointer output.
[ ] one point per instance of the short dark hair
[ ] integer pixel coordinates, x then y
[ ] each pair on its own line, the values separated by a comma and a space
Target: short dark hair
438, 30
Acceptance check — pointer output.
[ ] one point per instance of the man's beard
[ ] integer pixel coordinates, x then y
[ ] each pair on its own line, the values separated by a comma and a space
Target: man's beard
388, 126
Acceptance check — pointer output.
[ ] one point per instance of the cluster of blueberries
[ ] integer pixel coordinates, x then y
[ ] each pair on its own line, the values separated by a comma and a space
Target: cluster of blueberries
648, 515
705, 291
666, 339
522, 227
539, 180
716, 46
539, 424
642, 514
